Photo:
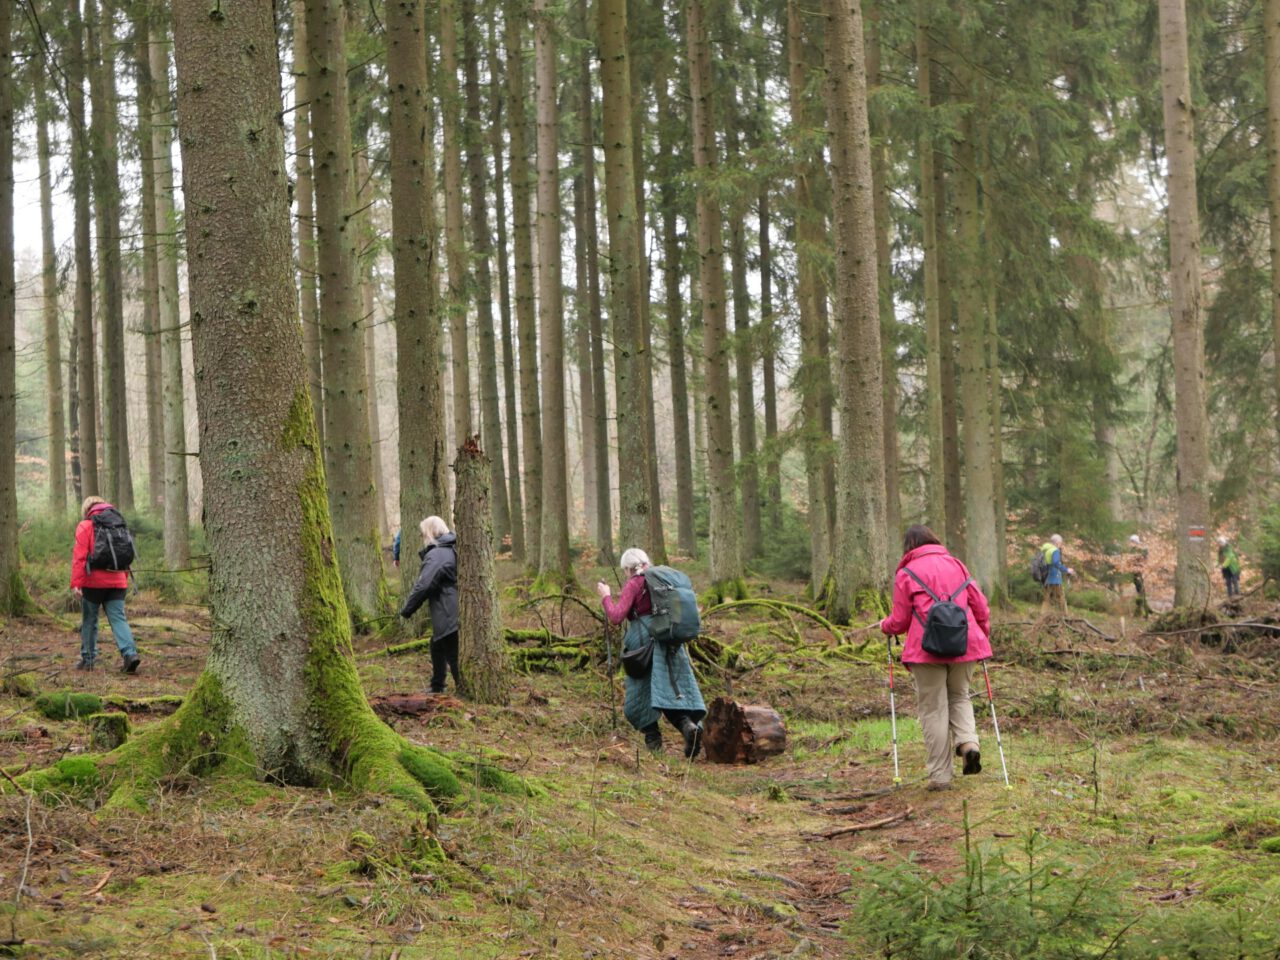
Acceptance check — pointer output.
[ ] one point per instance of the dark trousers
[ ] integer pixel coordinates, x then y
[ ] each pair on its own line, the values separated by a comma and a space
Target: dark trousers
677, 717
444, 655
1232, 580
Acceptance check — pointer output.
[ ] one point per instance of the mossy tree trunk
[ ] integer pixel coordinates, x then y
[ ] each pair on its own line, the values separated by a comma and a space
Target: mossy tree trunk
280, 697
348, 453
81, 189
177, 517
482, 651
424, 487
553, 561
725, 552
860, 560
809, 240
49, 298
1192, 577
526, 313
304, 192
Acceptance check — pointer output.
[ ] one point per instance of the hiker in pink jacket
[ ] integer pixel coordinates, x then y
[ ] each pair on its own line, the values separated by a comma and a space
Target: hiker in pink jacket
942, 685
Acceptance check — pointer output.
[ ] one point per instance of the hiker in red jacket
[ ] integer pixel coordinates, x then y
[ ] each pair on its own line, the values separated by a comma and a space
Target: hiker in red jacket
97, 587
942, 685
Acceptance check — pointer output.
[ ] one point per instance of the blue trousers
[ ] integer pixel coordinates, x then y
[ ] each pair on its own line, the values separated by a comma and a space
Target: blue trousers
119, 628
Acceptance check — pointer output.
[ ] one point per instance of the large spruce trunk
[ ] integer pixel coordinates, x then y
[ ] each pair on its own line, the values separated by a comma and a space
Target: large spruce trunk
348, 452
304, 192
458, 296
81, 190
1271, 37
860, 560
49, 299
1192, 578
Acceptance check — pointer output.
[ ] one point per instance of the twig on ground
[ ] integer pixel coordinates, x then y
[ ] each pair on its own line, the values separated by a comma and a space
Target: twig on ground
97, 887
859, 827
14, 940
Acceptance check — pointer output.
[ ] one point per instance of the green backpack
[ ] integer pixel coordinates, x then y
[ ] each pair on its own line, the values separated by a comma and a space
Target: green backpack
674, 619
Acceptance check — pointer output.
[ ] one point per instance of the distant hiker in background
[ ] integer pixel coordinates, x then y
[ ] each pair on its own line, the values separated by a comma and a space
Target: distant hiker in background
1229, 561
1054, 598
668, 688
1136, 564
100, 565
929, 575
395, 551
437, 585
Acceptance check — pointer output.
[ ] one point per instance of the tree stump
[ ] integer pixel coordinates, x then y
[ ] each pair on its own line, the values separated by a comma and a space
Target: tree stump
738, 733
108, 730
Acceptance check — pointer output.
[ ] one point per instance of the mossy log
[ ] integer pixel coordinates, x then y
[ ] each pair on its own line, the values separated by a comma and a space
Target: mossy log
742, 733
20, 685
161, 706
67, 705
780, 607
509, 634
108, 730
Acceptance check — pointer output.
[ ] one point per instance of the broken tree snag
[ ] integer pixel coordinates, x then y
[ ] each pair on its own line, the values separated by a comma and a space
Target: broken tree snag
738, 733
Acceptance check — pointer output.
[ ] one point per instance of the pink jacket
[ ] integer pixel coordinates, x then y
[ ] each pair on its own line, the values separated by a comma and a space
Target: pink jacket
82, 578
944, 574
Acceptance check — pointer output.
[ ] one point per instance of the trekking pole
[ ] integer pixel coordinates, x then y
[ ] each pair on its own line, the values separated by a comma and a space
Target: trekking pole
893, 713
608, 655
999, 746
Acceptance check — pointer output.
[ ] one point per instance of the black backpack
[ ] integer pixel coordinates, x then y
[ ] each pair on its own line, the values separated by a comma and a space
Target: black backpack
112, 542
1039, 567
946, 629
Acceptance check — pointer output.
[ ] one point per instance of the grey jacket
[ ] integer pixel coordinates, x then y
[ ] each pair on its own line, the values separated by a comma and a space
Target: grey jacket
437, 584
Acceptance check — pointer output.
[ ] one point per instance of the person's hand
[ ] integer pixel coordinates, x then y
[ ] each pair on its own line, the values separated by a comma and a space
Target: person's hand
1070, 572
78, 592
396, 564
602, 589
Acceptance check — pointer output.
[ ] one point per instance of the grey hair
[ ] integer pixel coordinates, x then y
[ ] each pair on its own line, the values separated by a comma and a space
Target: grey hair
1056, 539
433, 528
633, 560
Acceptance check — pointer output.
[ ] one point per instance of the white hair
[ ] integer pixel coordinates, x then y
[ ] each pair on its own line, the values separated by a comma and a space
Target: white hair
1134, 538
1056, 539
433, 528
633, 560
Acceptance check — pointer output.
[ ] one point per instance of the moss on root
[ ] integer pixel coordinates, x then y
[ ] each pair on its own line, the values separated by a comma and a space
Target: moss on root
67, 705
71, 776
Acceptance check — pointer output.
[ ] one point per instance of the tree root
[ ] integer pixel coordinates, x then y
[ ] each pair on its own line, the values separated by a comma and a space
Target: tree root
781, 607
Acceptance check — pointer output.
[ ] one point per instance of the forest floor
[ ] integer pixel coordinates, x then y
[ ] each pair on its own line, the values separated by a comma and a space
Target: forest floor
1149, 762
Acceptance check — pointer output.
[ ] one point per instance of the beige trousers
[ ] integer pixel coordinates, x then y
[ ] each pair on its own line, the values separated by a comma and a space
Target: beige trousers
946, 714
1054, 600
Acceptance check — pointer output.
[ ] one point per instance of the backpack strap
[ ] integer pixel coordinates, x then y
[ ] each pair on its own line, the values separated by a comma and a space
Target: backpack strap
960, 589
912, 574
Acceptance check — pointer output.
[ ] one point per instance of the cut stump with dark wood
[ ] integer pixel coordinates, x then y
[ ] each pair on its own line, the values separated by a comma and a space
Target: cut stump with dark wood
742, 733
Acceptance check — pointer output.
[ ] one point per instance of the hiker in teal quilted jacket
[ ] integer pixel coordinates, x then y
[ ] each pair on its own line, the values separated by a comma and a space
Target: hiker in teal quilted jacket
671, 689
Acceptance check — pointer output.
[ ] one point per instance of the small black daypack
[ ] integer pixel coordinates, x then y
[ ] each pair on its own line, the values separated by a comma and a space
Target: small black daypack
1039, 567
946, 629
112, 542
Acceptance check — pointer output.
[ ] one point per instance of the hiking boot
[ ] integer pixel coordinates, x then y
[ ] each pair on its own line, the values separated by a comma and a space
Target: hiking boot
972, 761
939, 785
692, 737
130, 664
83, 664
652, 737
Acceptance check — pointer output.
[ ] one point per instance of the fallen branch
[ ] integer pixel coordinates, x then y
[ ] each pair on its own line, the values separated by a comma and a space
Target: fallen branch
97, 887
1211, 627
780, 606
1104, 636
562, 597
860, 827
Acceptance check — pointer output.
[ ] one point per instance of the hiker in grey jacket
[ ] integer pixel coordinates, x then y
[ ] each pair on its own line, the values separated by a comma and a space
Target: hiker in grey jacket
437, 585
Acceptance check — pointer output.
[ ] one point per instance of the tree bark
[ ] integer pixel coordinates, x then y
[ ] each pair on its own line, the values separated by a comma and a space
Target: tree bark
485, 674
154, 361
1191, 579
177, 518
553, 562
624, 274
366, 240
742, 733
860, 560
936, 512
49, 299
424, 486
106, 177
515, 511
672, 272
304, 191
481, 252
458, 297
585, 274
1271, 39
81, 188
725, 558
526, 319
809, 240
768, 369
947, 346
348, 453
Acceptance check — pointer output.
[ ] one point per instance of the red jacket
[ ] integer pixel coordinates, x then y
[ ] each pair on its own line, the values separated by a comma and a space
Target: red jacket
944, 574
81, 577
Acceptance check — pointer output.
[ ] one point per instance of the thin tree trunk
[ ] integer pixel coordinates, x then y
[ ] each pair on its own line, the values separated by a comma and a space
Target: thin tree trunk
553, 563
860, 560
598, 439
950, 392
526, 319
809, 240
304, 191
1192, 577
154, 362
49, 299
348, 452
936, 511
177, 520
482, 251
514, 501
73, 416
106, 176
1271, 37
484, 671
672, 271
81, 188
624, 274
367, 241
725, 554
769, 355
458, 301
744, 363
587, 414
884, 278
424, 486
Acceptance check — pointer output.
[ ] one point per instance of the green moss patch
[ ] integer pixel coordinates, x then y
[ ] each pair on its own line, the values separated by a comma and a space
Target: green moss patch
67, 705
